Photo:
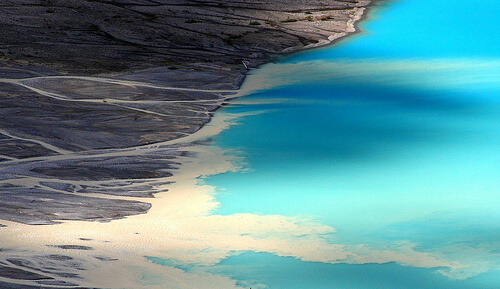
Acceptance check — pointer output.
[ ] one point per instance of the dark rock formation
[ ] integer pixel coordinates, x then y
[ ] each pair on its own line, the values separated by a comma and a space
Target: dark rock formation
90, 36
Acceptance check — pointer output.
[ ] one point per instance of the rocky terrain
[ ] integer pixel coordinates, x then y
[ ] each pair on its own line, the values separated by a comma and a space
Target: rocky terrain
98, 100
109, 35
63, 138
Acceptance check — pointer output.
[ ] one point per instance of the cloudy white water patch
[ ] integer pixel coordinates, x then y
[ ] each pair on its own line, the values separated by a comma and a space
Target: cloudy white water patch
413, 73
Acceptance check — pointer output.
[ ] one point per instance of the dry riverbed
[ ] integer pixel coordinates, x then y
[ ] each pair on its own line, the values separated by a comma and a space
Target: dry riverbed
99, 101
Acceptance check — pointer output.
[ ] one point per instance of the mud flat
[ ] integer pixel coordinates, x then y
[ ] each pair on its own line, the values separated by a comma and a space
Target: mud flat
154, 72
100, 101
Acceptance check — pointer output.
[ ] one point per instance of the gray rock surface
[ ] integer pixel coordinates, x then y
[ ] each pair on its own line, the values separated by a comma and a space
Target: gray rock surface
91, 36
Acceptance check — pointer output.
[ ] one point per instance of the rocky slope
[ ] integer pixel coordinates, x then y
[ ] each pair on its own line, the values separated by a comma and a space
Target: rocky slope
92, 36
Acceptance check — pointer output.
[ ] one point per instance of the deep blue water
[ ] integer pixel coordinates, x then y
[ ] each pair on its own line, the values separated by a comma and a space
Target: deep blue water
392, 135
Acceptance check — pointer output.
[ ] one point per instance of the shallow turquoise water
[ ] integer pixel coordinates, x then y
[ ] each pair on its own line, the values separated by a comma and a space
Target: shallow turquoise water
390, 136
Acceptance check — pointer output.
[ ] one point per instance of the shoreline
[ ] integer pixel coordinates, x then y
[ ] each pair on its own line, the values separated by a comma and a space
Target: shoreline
123, 242
162, 76
179, 211
366, 12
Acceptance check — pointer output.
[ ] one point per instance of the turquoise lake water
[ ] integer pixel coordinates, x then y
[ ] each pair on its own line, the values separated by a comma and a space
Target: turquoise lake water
390, 136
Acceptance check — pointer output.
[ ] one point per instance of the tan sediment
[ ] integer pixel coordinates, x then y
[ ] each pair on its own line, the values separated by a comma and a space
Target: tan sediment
128, 240
351, 28
178, 223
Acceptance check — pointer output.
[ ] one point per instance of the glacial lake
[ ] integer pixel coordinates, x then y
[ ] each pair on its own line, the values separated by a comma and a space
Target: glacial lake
390, 138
